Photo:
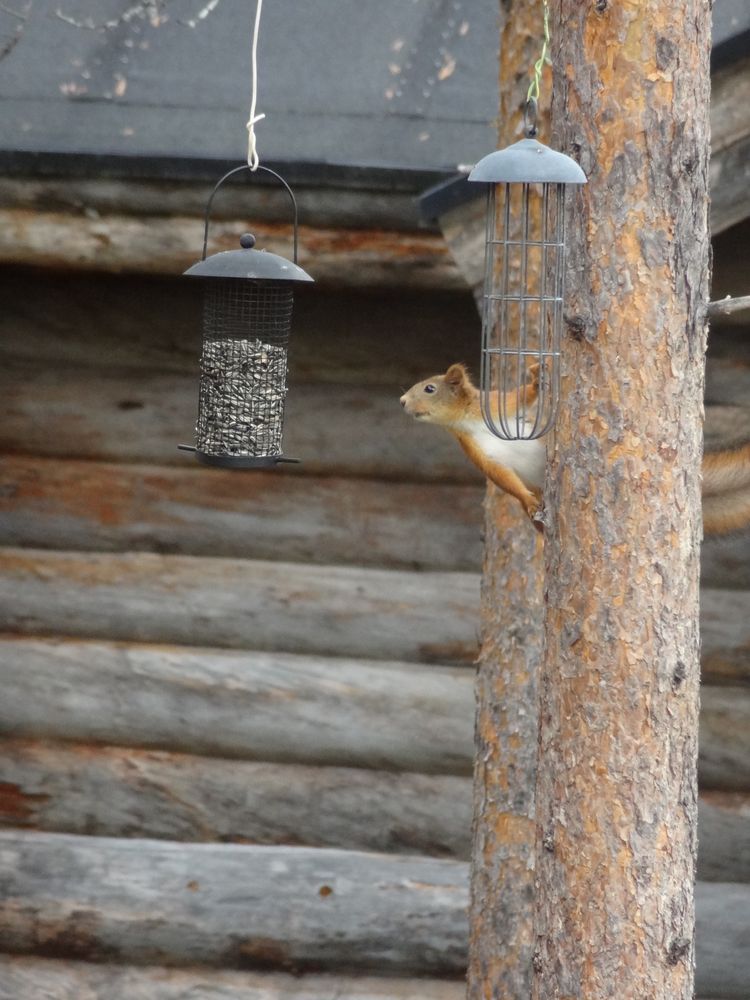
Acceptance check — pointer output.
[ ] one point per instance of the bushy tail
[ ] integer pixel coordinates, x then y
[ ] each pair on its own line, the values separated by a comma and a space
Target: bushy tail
726, 491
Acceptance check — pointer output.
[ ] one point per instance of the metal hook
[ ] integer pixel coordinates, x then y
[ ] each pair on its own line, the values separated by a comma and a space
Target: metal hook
236, 170
529, 118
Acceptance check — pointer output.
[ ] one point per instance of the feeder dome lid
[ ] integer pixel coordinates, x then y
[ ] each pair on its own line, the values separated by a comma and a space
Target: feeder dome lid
249, 264
528, 162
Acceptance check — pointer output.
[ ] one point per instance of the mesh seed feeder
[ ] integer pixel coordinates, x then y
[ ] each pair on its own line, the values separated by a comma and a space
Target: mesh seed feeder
247, 314
524, 274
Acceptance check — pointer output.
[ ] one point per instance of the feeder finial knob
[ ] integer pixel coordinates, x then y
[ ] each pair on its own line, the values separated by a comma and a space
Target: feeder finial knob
247, 241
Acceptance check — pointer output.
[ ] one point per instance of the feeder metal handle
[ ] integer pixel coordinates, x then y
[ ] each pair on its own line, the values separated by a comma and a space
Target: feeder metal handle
226, 176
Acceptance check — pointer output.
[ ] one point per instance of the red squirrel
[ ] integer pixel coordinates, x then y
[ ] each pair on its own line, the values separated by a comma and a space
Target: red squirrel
517, 467
452, 401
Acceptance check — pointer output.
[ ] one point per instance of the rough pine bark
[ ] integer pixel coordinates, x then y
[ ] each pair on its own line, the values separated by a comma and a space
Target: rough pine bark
502, 870
616, 792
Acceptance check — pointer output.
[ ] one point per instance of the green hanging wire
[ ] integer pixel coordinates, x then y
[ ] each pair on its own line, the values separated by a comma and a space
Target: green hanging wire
533, 92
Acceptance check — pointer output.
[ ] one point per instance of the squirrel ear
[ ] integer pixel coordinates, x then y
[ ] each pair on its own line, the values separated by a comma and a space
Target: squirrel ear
456, 375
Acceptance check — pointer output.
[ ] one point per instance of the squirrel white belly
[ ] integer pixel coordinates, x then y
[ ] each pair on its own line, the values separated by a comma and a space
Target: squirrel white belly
525, 457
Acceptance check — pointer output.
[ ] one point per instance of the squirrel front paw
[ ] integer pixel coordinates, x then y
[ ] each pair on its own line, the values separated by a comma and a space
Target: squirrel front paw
535, 512
539, 521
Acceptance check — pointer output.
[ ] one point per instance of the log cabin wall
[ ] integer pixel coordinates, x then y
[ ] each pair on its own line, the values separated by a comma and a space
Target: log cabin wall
211, 677
237, 711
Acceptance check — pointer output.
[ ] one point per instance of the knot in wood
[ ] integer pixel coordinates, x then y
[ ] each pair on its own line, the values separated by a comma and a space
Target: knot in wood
576, 327
679, 675
678, 949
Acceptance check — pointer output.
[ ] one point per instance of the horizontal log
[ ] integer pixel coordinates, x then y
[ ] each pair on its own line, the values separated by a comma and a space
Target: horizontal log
725, 636
130, 417
724, 752
262, 706
243, 604
386, 203
724, 837
153, 325
725, 561
730, 145
117, 792
45, 503
147, 901
726, 426
721, 928
728, 382
159, 244
269, 706
229, 905
252, 604
29, 978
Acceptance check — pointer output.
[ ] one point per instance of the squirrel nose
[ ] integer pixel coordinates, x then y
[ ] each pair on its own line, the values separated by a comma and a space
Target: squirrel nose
403, 401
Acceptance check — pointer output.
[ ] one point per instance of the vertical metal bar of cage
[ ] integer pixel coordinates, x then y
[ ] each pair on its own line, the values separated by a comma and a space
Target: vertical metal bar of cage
556, 281
503, 346
542, 402
523, 315
557, 345
485, 377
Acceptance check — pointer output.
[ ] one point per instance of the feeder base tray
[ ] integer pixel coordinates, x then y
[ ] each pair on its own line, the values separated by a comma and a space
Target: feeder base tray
238, 461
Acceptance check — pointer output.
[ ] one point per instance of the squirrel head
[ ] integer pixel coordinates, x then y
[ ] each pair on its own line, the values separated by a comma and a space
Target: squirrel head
442, 399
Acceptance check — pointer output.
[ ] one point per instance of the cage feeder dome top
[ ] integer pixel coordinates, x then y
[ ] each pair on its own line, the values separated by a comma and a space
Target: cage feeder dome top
527, 162
248, 263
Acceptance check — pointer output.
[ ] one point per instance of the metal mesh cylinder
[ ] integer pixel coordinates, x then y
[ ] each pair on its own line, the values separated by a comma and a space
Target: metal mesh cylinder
523, 308
243, 389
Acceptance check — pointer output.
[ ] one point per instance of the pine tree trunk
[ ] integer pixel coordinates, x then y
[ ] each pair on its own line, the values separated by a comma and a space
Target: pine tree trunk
502, 871
616, 792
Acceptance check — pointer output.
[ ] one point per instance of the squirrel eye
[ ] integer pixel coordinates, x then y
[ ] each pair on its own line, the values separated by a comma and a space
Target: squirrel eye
430, 387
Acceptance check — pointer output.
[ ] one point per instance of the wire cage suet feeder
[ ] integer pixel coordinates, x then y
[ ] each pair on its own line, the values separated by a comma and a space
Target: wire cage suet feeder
522, 308
247, 315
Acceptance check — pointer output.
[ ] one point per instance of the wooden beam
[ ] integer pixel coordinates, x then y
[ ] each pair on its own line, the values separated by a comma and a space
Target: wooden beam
288, 908
269, 706
242, 604
724, 752
159, 244
120, 792
725, 636
253, 604
81, 505
132, 416
258, 706
23, 976
721, 951
27, 977
320, 206
148, 324
147, 901
47, 503
724, 837
730, 146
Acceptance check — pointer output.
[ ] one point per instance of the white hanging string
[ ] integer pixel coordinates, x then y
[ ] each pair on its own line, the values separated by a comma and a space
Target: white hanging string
252, 153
